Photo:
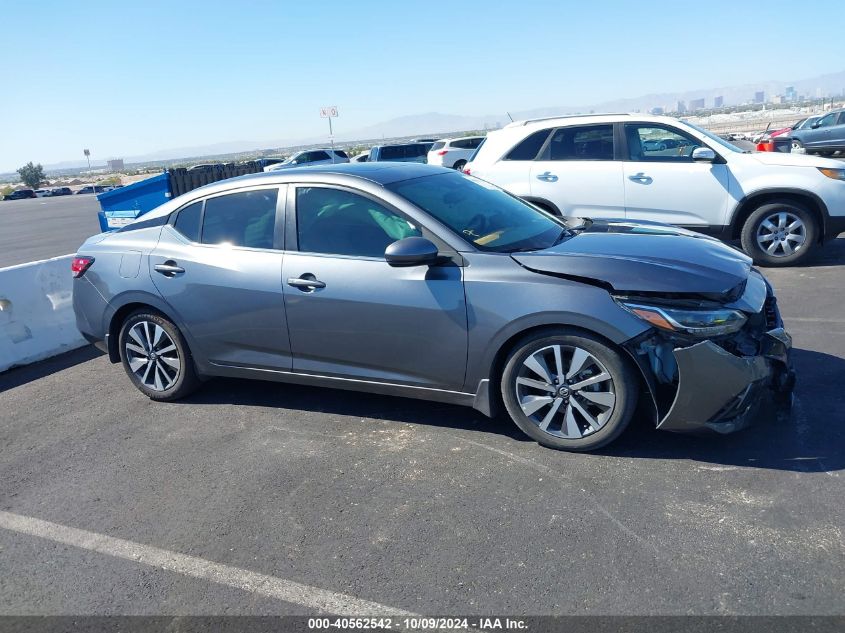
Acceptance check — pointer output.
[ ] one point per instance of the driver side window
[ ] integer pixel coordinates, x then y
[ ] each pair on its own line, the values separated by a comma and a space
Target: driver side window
659, 144
337, 222
828, 120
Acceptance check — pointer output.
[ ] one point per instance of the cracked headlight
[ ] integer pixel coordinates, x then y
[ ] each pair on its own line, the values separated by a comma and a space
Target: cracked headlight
694, 322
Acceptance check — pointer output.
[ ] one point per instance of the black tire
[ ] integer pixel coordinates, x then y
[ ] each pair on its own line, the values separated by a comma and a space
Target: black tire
623, 385
161, 372
753, 224
827, 152
459, 165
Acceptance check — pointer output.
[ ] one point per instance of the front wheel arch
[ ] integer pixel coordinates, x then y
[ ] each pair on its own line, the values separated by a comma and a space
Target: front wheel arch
500, 359
750, 204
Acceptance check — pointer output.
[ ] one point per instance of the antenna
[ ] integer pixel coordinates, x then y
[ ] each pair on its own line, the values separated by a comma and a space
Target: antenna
509, 116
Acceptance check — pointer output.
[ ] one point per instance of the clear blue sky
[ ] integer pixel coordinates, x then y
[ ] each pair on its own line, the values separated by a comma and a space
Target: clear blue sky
127, 78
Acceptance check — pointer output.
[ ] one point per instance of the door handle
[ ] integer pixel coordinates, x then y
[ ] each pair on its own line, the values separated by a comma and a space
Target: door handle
641, 178
547, 176
306, 282
169, 269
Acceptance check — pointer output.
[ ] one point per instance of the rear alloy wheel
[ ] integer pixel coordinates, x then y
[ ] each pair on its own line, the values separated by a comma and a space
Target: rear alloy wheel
569, 391
779, 234
460, 165
156, 357
797, 146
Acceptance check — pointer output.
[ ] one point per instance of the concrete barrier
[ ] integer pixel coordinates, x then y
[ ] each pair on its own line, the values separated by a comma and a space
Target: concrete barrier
36, 312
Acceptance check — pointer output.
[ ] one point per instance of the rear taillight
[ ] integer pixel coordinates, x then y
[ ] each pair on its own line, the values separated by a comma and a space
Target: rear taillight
80, 264
467, 171
443, 152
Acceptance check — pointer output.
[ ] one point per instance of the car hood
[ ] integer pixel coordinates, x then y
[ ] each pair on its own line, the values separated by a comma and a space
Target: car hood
788, 159
644, 257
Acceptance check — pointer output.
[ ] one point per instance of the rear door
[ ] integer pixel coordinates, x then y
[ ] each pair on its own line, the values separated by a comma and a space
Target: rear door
576, 170
664, 184
355, 317
219, 267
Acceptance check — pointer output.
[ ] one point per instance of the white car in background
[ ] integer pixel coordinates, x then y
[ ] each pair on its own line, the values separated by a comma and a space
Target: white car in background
311, 157
453, 152
43, 193
779, 205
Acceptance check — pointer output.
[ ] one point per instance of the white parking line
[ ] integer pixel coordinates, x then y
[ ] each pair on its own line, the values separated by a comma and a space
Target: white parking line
253, 582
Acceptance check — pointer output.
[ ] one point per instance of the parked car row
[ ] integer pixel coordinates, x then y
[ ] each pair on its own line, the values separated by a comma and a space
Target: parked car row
450, 152
57, 191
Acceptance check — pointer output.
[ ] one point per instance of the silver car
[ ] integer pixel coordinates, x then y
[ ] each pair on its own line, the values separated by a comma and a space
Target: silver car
418, 281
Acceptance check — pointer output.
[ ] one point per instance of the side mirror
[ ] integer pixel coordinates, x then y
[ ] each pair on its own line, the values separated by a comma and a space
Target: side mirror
411, 251
703, 155
816, 124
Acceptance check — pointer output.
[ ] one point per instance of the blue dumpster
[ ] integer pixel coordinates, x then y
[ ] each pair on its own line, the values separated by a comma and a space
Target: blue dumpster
122, 205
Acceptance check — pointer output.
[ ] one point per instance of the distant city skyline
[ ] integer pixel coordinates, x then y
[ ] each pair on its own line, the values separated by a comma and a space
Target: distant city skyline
129, 79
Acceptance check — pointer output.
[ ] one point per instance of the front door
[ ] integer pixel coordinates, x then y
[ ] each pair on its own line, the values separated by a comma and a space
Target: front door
664, 184
219, 267
350, 314
577, 172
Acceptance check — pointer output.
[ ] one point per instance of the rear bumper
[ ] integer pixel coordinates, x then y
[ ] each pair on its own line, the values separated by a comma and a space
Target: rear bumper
718, 391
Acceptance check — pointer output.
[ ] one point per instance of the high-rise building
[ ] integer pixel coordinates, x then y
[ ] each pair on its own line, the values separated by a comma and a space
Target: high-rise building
790, 94
759, 96
696, 104
656, 110
681, 107
718, 102
115, 164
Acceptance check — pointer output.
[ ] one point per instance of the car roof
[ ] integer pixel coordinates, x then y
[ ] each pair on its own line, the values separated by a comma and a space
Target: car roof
339, 173
377, 172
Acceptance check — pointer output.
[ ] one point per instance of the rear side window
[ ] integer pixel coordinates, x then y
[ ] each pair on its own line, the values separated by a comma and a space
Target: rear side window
241, 219
389, 152
438, 145
188, 221
530, 147
319, 156
341, 153
589, 142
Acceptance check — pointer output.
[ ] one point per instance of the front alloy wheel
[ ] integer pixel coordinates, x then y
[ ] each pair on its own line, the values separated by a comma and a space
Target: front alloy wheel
779, 234
569, 391
565, 391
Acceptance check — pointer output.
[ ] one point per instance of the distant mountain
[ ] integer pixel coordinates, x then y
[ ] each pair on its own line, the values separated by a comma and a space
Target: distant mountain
432, 123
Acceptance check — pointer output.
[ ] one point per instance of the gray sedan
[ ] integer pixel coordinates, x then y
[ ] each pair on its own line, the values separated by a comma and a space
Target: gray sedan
418, 281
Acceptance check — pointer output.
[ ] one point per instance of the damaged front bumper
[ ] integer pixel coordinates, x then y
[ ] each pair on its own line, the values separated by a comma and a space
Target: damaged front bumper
716, 390
725, 393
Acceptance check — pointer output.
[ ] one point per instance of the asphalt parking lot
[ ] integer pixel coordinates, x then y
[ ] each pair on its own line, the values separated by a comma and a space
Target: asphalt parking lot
39, 228
260, 498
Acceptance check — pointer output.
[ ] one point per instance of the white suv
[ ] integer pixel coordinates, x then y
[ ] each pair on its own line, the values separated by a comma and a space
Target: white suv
453, 152
311, 157
658, 168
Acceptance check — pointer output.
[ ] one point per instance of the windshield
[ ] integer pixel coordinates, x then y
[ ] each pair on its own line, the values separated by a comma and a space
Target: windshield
714, 138
487, 217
